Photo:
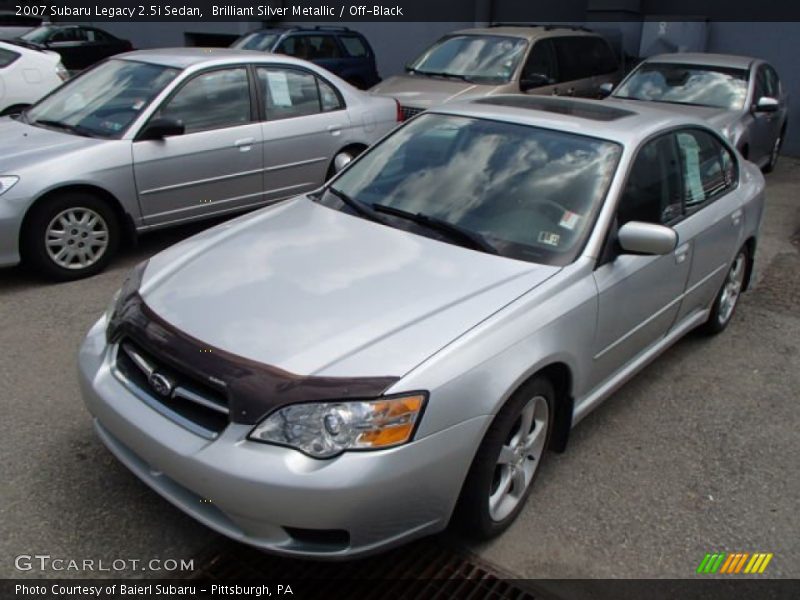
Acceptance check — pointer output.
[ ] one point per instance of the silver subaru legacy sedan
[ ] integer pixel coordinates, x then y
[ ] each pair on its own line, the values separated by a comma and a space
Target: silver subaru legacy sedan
158, 137
741, 96
359, 365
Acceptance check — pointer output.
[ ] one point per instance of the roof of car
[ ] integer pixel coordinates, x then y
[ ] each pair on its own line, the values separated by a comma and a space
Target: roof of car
182, 58
528, 32
605, 119
700, 58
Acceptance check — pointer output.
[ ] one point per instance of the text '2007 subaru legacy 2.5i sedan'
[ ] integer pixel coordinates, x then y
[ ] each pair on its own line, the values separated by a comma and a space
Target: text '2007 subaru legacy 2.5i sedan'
350, 369
154, 138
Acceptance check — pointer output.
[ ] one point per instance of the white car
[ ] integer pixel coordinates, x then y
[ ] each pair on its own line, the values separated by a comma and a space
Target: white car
26, 75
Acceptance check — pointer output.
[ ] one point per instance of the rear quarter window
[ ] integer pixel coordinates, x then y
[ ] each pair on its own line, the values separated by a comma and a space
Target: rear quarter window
354, 46
7, 57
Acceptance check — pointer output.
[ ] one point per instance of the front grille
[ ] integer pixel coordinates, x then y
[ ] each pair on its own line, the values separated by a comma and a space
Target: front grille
409, 111
179, 396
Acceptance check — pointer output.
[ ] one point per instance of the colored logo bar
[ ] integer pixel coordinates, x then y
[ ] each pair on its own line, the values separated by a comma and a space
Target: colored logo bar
732, 563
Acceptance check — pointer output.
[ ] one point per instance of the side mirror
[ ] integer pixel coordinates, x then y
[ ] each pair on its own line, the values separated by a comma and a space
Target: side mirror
767, 104
534, 80
606, 89
159, 128
636, 237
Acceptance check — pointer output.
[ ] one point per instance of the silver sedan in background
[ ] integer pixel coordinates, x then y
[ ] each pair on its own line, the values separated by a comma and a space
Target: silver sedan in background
154, 138
743, 97
402, 345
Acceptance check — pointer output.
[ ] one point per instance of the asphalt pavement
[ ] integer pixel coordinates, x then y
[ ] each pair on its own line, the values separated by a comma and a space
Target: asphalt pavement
699, 453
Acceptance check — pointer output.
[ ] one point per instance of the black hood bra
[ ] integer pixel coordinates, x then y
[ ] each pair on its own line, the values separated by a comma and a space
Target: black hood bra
252, 389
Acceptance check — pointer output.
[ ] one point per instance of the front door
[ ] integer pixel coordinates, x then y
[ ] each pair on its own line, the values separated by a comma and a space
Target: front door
766, 125
216, 165
640, 296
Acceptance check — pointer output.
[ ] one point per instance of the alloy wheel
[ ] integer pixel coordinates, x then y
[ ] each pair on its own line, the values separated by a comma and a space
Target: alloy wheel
519, 458
732, 288
76, 238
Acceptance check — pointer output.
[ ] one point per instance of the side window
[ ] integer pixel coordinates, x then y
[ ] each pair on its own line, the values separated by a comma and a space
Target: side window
7, 57
652, 192
773, 85
572, 58
310, 47
540, 65
354, 46
329, 98
211, 100
600, 56
708, 169
289, 93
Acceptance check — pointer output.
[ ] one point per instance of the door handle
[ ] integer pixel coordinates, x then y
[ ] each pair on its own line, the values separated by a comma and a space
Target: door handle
334, 129
681, 252
244, 144
556, 92
571, 92
736, 217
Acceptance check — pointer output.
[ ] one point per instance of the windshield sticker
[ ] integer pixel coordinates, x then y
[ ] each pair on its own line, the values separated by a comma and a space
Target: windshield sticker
549, 238
569, 220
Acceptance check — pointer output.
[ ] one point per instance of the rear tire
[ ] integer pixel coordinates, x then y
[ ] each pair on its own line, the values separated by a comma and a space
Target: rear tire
71, 236
507, 462
728, 296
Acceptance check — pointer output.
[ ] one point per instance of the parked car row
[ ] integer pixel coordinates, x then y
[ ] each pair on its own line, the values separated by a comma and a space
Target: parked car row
421, 310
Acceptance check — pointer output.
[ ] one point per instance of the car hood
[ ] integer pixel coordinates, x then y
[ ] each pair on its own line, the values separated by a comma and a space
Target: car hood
425, 92
22, 145
314, 291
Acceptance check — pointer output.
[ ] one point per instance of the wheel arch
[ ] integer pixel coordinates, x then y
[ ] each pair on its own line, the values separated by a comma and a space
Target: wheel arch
750, 245
356, 147
125, 219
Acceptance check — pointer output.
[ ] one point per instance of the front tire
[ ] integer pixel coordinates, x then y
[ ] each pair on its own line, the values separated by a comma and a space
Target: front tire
728, 296
71, 236
502, 474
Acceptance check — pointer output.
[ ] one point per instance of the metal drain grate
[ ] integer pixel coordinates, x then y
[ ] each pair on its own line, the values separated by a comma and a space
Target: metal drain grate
423, 570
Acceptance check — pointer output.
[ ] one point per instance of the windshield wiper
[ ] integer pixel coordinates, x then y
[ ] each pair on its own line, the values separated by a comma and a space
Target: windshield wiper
443, 74
61, 125
472, 238
362, 209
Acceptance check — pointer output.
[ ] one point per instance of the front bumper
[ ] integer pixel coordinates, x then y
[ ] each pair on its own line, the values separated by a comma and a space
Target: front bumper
11, 215
262, 494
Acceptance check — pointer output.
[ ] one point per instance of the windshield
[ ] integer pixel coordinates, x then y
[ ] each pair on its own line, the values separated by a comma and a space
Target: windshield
701, 85
104, 101
529, 193
256, 41
37, 36
488, 59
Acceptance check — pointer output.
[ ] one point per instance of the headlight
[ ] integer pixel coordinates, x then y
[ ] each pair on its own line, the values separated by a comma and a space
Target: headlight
325, 429
62, 73
7, 182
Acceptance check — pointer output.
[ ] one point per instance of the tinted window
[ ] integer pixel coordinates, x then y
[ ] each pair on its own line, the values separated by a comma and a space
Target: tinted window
95, 35
211, 101
71, 34
687, 84
289, 93
540, 65
480, 58
708, 168
531, 193
767, 83
580, 57
354, 46
7, 57
310, 47
652, 192
105, 100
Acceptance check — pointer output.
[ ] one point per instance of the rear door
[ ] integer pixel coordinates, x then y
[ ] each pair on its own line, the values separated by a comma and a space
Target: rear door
575, 66
640, 296
539, 73
306, 118
358, 62
714, 217
216, 165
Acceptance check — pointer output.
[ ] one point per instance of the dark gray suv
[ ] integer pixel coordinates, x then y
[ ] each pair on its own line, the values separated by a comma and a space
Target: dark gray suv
340, 50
